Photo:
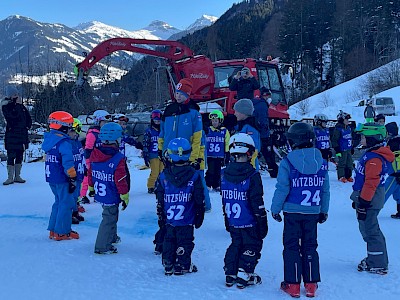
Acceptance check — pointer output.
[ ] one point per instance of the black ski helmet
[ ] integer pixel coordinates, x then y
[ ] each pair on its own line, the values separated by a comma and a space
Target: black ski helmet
300, 135
380, 117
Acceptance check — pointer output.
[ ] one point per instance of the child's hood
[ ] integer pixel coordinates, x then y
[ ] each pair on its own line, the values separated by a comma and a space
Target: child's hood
385, 152
52, 138
238, 171
103, 153
179, 175
306, 161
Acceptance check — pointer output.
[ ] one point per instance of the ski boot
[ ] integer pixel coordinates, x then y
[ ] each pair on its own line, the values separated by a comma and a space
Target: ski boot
112, 250
84, 200
179, 270
230, 280
69, 236
342, 179
168, 270
78, 216
363, 266
350, 179
397, 215
246, 279
293, 289
75, 221
117, 240
81, 209
311, 288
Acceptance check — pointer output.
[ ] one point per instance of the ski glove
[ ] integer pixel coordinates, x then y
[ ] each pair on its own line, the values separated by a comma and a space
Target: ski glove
199, 217
362, 207
91, 191
72, 185
322, 218
262, 226
338, 155
277, 217
160, 155
124, 200
196, 164
227, 158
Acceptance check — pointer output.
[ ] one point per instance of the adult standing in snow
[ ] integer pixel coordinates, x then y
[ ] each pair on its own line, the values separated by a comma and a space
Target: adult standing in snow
247, 124
369, 195
261, 106
181, 119
16, 139
244, 83
369, 112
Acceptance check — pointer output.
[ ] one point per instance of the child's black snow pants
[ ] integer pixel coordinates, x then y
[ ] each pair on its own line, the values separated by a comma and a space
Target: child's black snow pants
244, 251
300, 256
178, 246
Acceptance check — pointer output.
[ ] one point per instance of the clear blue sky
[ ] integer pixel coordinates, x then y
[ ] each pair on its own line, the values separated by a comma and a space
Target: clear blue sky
126, 14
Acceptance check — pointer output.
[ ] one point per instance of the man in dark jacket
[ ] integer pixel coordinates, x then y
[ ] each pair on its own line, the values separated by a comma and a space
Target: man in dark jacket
16, 138
244, 83
261, 106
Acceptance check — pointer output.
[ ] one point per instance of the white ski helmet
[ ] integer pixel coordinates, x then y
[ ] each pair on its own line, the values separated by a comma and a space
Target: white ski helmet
241, 143
101, 115
120, 117
320, 118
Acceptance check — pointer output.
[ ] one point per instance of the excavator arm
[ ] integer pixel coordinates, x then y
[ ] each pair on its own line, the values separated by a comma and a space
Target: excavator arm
175, 51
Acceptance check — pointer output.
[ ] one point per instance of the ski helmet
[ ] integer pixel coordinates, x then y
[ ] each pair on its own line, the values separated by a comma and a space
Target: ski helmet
216, 114
60, 120
77, 125
392, 129
380, 117
179, 150
110, 133
373, 132
241, 143
300, 135
319, 118
156, 115
120, 117
101, 115
343, 115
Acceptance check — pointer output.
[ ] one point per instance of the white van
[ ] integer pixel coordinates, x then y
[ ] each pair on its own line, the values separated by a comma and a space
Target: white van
382, 105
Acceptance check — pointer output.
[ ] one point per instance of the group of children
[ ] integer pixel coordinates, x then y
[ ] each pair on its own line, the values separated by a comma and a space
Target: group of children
302, 192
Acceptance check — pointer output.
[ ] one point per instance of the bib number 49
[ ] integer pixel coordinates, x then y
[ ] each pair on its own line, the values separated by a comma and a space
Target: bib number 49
234, 209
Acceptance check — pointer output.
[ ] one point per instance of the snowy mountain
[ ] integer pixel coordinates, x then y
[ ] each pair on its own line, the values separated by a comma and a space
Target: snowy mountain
200, 23
159, 29
37, 48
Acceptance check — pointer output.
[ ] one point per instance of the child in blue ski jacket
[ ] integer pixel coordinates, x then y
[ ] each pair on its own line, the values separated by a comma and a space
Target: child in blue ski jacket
302, 193
180, 208
107, 177
244, 213
61, 175
150, 149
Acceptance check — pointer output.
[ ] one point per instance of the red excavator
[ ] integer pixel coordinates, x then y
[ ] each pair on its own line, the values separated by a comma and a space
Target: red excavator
210, 79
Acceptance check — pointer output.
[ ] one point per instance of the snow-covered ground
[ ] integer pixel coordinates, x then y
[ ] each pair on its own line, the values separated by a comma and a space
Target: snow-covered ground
346, 97
35, 267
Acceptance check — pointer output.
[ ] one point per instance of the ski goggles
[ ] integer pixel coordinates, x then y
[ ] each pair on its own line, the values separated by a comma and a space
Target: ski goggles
213, 116
156, 116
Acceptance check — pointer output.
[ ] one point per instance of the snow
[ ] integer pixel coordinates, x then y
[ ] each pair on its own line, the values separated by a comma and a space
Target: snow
35, 267
346, 97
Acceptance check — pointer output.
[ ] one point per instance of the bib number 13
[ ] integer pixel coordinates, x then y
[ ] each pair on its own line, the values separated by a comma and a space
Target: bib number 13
311, 200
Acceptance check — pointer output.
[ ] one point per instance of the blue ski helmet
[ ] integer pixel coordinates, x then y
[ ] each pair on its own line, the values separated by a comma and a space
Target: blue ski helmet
179, 150
110, 132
